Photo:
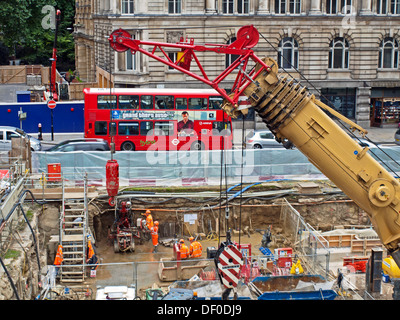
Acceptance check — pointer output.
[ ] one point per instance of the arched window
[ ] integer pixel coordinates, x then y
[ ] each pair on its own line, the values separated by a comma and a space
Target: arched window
288, 53
230, 58
339, 54
388, 53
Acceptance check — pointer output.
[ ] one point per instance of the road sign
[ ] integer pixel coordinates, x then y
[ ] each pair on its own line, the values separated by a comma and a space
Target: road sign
51, 104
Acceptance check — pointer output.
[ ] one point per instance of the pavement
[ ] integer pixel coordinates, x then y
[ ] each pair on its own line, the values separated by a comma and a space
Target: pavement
379, 135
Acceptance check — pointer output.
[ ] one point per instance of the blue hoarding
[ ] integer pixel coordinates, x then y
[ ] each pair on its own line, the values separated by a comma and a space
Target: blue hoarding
67, 116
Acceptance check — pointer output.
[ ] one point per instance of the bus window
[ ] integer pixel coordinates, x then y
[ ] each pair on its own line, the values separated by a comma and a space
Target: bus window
198, 103
164, 102
164, 128
145, 126
215, 103
181, 103
106, 102
146, 102
128, 128
100, 128
113, 128
128, 102
221, 128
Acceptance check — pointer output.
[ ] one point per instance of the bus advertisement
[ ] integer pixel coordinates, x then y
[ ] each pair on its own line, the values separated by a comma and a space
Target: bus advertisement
157, 119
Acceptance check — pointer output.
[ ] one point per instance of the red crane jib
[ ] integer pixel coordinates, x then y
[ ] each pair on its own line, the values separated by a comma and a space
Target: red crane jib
247, 37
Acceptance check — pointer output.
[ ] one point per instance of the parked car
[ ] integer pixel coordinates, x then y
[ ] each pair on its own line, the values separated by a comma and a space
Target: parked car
260, 139
7, 132
365, 143
397, 136
85, 144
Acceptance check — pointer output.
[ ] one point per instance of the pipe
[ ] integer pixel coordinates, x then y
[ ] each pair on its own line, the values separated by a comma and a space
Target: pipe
9, 278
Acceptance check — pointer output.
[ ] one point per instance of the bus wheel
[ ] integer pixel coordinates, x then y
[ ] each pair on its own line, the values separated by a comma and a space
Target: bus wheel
197, 145
128, 146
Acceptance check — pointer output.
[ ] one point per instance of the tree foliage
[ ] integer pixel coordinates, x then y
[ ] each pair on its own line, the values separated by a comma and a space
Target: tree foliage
24, 30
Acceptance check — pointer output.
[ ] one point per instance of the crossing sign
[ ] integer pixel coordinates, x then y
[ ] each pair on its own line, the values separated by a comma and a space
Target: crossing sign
51, 104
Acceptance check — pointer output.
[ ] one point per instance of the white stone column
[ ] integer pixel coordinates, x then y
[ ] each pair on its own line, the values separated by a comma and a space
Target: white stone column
315, 7
210, 6
141, 6
366, 7
263, 6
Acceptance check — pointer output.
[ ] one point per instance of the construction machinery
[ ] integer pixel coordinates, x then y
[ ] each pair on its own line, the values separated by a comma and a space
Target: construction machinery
143, 230
123, 232
295, 117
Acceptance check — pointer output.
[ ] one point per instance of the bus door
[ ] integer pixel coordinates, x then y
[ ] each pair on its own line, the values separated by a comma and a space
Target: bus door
164, 135
147, 136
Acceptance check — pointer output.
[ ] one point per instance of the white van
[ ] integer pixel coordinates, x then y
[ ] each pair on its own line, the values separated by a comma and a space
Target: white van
7, 132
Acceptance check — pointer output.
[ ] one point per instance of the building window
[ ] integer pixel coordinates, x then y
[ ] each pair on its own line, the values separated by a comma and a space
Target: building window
230, 58
295, 6
287, 6
243, 6
280, 6
132, 60
339, 54
228, 6
174, 6
388, 6
288, 53
127, 7
395, 6
388, 54
382, 7
339, 6
173, 56
342, 100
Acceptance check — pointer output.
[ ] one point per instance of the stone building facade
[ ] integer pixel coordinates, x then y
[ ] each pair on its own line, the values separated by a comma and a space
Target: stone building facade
344, 51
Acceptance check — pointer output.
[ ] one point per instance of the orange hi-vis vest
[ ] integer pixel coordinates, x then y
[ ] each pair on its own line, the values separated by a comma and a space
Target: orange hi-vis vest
184, 251
149, 221
90, 250
59, 256
195, 249
154, 230
154, 235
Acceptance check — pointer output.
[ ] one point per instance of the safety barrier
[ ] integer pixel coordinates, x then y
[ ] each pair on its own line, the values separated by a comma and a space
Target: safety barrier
163, 273
181, 168
306, 240
185, 168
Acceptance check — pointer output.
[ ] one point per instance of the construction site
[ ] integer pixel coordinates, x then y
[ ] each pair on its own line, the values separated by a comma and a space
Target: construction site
298, 238
316, 219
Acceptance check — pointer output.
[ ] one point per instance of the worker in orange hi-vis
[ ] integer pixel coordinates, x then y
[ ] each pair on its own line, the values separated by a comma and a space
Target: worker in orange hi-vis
154, 236
91, 257
59, 258
196, 248
149, 219
184, 249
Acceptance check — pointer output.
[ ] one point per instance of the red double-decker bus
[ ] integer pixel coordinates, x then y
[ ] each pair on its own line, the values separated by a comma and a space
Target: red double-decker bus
157, 119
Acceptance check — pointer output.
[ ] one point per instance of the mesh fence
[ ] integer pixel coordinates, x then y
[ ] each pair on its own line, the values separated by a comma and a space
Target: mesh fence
313, 248
164, 273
